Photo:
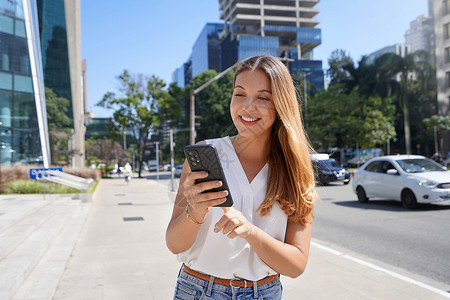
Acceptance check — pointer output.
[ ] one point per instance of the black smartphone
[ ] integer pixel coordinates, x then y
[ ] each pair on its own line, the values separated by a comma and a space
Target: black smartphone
205, 158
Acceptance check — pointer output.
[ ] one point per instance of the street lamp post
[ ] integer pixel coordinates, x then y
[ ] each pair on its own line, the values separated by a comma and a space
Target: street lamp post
193, 133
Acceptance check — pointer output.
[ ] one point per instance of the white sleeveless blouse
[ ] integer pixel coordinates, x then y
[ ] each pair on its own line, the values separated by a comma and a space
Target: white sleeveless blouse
216, 254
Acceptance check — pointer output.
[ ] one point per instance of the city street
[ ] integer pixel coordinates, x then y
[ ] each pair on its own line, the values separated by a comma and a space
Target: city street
413, 240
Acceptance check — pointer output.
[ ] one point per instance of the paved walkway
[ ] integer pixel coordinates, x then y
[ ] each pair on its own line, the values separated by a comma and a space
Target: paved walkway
121, 254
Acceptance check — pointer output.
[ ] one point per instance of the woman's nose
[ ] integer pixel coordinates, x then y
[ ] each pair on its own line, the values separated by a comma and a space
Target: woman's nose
250, 104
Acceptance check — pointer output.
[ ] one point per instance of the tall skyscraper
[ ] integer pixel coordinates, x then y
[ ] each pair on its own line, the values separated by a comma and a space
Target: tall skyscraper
420, 35
281, 28
442, 39
399, 49
60, 30
23, 117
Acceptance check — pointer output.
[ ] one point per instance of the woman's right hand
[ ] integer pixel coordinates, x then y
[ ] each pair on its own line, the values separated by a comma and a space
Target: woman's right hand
200, 203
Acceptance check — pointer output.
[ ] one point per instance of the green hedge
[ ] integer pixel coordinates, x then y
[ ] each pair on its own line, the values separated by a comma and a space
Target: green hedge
36, 187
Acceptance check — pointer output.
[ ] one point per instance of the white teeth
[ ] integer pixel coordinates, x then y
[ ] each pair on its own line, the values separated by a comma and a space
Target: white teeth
248, 119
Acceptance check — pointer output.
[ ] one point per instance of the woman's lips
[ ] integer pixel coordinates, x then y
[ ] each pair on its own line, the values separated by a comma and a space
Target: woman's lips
248, 120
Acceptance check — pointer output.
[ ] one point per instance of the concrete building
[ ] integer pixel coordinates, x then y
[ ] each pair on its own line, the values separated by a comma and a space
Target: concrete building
60, 31
23, 117
442, 38
282, 28
399, 49
420, 35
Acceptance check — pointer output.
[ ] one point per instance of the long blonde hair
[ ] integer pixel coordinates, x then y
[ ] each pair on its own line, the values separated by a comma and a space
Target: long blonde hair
290, 180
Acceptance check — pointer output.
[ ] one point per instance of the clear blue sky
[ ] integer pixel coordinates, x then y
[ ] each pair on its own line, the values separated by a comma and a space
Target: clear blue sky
153, 37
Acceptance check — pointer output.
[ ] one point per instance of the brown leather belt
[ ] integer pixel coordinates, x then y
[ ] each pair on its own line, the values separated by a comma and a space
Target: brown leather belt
242, 283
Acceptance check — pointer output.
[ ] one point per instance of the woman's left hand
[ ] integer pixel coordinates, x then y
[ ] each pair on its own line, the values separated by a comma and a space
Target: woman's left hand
234, 224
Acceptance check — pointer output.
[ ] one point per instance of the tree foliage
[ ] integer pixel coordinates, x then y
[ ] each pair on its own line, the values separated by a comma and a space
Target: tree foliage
59, 126
136, 107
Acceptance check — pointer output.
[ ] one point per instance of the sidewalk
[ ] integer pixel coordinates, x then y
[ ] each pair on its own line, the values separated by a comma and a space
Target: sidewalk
121, 254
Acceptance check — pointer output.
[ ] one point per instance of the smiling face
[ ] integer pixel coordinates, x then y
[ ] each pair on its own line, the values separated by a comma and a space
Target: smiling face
251, 107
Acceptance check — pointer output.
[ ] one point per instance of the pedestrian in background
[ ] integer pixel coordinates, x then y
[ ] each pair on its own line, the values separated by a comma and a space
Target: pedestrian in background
240, 251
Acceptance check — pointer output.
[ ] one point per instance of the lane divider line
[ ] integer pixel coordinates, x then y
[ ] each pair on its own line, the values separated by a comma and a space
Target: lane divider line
378, 268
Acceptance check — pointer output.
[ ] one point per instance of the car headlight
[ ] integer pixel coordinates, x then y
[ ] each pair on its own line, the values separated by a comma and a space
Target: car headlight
425, 182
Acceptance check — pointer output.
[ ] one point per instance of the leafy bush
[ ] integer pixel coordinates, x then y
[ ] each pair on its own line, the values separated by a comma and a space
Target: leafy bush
36, 187
22, 173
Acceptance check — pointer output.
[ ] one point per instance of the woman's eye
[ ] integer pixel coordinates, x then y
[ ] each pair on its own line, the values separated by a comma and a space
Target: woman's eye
264, 98
238, 95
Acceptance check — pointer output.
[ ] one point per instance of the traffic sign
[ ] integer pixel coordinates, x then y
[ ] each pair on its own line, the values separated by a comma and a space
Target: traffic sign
42, 172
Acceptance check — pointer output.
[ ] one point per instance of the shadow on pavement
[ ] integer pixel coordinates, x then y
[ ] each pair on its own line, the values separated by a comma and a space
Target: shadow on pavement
391, 205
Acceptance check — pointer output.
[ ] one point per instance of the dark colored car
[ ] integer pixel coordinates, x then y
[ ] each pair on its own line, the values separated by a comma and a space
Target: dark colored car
327, 170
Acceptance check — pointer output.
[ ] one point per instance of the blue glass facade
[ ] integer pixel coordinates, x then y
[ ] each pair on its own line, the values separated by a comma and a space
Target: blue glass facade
55, 57
257, 45
305, 35
239, 43
206, 50
23, 120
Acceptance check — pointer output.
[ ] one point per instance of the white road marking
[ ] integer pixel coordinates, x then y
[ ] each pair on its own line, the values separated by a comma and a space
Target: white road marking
378, 268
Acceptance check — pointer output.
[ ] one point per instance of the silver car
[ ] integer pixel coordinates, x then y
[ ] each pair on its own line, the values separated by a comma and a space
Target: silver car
411, 179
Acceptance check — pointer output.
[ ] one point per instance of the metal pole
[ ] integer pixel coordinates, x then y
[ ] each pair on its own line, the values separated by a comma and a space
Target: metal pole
305, 92
193, 133
172, 164
157, 160
192, 119
436, 140
124, 140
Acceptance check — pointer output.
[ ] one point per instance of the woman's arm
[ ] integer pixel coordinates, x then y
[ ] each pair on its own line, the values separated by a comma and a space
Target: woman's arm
181, 231
287, 258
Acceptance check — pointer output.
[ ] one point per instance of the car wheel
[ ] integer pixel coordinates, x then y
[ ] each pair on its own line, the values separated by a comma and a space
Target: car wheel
408, 199
346, 182
323, 181
361, 194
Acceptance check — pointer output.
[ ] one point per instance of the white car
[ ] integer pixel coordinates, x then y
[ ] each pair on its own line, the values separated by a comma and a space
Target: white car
410, 179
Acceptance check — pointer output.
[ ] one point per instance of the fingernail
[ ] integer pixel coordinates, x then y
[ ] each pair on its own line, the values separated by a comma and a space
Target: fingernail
224, 193
218, 183
204, 174
215, 229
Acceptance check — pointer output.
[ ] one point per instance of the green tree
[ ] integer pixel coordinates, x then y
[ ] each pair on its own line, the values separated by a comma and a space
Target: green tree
136, 107
213, 105
340, 119
336, 72
105, 150
376, 130
59, 125
405, 66
437, 125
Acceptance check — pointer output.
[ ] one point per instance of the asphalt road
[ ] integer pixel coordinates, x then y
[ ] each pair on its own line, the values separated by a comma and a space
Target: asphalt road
417, 241
414, 240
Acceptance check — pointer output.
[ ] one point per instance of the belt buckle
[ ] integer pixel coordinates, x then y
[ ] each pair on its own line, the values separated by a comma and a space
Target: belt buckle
238, 280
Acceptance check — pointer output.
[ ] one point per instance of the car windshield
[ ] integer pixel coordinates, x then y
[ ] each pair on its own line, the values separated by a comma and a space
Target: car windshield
419, 165
328, 163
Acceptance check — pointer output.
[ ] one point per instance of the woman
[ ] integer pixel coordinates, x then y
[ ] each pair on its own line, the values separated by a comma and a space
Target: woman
241, 250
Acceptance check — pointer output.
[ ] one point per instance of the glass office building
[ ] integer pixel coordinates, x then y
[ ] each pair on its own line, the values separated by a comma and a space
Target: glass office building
60, 32
282, 28
55, 56
206, 50
23, 118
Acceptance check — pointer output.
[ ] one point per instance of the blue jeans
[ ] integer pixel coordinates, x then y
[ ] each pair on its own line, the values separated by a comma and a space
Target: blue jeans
192, 288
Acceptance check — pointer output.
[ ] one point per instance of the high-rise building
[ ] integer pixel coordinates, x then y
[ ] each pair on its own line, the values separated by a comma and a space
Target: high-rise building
281, 28
23, 117
399, 49
420, 35
442, 40
206, 50
60, 30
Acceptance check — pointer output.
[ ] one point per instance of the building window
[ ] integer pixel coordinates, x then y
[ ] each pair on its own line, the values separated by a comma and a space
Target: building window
446, 7
447, 55
447, 31
447, 79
